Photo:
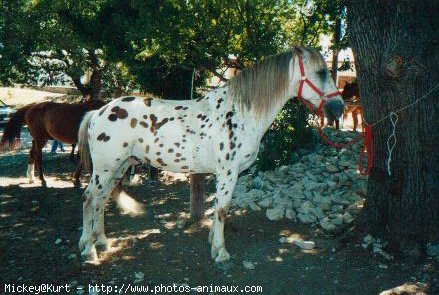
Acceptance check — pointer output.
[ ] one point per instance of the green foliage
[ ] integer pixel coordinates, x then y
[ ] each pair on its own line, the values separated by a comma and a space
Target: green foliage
289, 132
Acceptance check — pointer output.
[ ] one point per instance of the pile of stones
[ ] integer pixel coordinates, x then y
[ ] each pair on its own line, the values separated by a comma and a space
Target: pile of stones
323, 187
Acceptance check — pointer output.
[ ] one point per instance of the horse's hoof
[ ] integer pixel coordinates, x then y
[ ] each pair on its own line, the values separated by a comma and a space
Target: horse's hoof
223, 256
90, 257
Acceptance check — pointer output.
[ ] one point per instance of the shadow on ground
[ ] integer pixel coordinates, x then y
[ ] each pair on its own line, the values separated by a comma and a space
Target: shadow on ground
40, 230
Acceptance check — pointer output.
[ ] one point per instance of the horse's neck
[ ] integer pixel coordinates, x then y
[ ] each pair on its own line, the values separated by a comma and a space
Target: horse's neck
258, 124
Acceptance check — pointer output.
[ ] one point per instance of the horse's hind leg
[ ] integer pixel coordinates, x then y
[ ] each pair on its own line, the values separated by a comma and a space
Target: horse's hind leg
95, 198
31, 164
99, 229
225, 186
77, 175
38, 151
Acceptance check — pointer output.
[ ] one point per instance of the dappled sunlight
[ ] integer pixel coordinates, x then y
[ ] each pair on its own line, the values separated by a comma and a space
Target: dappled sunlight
129, 206
23, 182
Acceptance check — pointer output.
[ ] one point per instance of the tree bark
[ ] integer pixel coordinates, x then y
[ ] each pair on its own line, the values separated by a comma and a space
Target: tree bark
336, 51
198, 191
397, 60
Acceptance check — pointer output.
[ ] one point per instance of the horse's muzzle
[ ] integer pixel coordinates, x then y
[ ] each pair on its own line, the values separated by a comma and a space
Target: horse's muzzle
333, 109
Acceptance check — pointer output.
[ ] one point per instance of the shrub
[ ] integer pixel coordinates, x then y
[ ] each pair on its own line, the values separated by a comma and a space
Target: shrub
289, 132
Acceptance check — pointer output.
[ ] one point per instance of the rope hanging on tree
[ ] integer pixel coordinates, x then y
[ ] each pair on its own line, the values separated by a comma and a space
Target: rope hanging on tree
391, 141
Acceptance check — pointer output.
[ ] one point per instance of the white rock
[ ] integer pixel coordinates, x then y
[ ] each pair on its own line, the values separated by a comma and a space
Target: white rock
239, 190
275, 214
139, 275
306, 218
266, 202
347, 217
338, 219
326, 224
331, 168
290, 214
282, 203
305, 245
58, 241
256, 194
252, 205
248, 265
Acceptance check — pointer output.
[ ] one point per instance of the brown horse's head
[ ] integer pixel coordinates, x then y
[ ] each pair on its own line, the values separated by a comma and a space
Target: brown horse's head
350, 90
93, 104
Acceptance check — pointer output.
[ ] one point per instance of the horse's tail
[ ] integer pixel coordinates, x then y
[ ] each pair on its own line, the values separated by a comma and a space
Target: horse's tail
84, 151
12, 131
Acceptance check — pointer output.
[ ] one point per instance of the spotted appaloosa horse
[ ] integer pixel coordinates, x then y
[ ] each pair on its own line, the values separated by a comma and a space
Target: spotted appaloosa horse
47, 120
218, 133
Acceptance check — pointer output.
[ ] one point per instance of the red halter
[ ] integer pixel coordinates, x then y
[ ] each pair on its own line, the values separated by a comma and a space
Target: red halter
324, 98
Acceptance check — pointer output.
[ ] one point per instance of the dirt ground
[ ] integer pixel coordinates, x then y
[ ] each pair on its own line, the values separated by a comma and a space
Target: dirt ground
40, 230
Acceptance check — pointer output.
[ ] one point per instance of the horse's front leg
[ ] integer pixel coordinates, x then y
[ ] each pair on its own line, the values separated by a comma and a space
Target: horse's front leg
226, 181
72, 154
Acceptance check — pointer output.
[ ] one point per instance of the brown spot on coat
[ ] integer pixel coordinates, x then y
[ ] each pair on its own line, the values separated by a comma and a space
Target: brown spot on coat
143, 124
133, 122
222, 215
184, 167
122, 114
160, 161
128, 98
147, 101
103, 137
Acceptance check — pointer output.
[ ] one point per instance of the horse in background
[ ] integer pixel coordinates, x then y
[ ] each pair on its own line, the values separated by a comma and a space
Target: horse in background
46, 120
351, 97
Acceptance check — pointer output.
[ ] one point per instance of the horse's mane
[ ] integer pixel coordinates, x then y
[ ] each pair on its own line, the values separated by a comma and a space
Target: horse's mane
266, 83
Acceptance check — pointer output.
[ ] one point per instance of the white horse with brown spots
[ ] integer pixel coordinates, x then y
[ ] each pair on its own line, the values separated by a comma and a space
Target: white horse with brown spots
219, 133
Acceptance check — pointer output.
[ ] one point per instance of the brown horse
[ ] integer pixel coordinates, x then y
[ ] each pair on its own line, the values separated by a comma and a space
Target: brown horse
47, 120
351, 97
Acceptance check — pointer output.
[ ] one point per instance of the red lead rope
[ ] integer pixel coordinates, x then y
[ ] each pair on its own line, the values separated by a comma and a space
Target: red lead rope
366, 148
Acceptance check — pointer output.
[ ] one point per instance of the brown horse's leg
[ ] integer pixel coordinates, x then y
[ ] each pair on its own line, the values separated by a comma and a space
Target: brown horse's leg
77, 175
355, 118
39, 160
31, 164
72, 154
322, 121
337, 124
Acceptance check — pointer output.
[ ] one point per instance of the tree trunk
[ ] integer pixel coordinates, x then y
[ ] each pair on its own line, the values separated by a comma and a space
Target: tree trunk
198, 191
397, 58
336, 51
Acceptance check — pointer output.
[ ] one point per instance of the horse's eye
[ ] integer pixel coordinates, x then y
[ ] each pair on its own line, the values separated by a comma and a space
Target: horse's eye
322, 73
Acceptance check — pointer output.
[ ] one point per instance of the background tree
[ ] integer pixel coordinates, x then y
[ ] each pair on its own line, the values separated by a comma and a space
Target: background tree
397, 52
46, 42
